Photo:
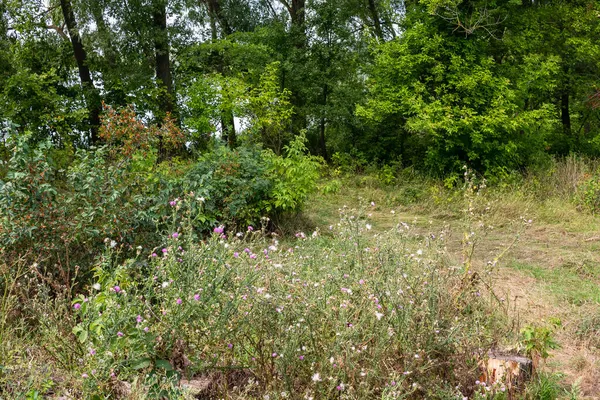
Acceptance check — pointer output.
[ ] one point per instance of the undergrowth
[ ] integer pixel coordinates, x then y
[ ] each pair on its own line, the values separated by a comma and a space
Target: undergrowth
345, 313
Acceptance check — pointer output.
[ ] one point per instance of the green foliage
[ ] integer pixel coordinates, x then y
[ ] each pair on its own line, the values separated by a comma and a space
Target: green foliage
295, 176
589, 193
234, 184
270, 109
545, 387
537, 341
125, 196
454, 100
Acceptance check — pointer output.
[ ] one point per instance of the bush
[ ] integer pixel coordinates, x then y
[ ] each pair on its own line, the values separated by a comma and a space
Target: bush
61, 217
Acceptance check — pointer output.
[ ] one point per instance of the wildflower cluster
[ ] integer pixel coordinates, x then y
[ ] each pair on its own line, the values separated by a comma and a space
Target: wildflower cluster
349, 313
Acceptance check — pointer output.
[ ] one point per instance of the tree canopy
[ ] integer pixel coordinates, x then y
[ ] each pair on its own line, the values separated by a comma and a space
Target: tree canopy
436, 84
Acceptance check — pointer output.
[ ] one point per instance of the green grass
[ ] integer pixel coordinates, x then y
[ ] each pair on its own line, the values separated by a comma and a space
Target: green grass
564, 282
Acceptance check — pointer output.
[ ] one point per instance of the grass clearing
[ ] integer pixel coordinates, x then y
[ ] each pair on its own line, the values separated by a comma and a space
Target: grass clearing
552, 273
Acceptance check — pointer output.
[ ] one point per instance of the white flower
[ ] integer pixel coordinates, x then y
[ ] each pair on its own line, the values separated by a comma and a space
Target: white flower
419, 252
316, 377
368, 226
96, 286
378, 315
165, 284
113, 244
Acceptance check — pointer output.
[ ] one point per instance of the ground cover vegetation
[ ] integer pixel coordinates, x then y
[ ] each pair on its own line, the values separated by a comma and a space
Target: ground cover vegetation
298, 198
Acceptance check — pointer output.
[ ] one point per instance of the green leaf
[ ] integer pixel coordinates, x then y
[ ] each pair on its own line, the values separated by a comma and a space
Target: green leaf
141, 363
164, 364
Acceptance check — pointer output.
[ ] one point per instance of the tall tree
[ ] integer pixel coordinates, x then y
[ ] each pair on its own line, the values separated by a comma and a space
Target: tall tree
92, 95
162, 55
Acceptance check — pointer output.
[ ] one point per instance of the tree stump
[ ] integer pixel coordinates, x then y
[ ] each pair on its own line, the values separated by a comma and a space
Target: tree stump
508, 369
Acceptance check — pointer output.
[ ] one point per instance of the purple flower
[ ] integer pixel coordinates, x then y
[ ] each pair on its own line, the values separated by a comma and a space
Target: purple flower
250, 228
236, 254
179, 301
117, 289
197, 297
84, 375
165, 251
173, 203
246, 250
230, 345
154, 255
175, 235
301, 358
253, 256
146, 329
274, 355
77, 306
92, 352
120, 334
361, 282
219, 229
139, 319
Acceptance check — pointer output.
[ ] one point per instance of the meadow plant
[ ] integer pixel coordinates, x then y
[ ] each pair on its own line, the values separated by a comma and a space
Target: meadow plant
346, 313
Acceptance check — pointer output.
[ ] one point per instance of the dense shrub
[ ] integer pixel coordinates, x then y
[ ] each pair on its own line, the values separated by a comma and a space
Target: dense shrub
63, 216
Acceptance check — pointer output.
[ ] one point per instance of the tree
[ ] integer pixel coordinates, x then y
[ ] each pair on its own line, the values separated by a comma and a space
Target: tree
91, 93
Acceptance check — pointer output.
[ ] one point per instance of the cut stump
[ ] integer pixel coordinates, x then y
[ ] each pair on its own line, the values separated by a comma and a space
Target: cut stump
508, 369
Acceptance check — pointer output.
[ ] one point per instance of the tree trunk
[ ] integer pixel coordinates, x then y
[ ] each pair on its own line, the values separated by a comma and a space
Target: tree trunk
231, 136
92, 97
565, 115
322, 128
296, 10
215, 12
162, 60
376, 20
297, 13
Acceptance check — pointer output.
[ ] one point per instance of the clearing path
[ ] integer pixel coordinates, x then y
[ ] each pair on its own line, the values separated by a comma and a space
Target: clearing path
550, 276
